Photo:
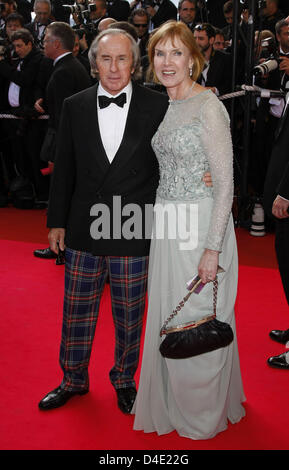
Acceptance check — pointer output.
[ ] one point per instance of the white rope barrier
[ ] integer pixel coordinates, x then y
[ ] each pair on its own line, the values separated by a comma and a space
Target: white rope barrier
12, 116
263, 92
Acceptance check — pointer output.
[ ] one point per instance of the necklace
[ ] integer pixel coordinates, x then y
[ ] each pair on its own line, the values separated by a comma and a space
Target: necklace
186, 95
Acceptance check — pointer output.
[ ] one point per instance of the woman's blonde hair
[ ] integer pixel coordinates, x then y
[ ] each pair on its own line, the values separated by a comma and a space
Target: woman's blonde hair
175, 30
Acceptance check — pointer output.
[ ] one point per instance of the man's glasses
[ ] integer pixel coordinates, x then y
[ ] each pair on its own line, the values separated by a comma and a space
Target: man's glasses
143, 25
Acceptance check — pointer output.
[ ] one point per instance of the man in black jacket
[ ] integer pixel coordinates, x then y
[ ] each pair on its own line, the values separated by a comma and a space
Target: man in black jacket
187, 10
140, 20
217, 73
94, 171
19, 82
68, 76
25, 75
42, 10
276, 201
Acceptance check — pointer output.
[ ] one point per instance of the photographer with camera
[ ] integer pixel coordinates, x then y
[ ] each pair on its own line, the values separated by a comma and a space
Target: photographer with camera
42, 10
271, 72
98, 12
282, 34
273, 67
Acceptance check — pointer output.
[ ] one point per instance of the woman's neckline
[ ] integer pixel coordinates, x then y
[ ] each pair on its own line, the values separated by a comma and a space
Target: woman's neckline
189, 98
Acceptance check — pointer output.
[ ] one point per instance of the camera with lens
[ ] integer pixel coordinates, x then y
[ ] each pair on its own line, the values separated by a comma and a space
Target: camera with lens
82, 10
75, 9
89, 30
269, 51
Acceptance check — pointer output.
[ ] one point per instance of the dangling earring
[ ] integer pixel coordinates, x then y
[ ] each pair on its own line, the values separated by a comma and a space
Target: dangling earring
191, 71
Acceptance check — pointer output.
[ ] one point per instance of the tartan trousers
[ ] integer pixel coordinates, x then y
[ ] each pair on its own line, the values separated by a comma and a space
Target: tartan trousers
85, 277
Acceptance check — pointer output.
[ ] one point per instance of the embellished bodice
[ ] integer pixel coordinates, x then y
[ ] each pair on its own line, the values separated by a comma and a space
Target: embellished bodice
193, 138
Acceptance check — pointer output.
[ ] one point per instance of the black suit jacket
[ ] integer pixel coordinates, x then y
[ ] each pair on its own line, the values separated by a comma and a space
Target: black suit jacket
220, 72
277, 178
25, 78
84, 177
283, 188
68, 77
167, 11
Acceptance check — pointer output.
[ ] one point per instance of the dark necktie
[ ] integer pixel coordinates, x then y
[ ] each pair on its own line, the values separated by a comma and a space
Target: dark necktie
105, 101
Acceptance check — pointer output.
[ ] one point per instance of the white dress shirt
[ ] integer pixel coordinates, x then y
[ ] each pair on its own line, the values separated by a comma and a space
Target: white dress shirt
14, 92
112, 121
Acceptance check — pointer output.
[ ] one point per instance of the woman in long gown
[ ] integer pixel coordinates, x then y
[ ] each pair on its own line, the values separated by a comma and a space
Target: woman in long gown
194, 396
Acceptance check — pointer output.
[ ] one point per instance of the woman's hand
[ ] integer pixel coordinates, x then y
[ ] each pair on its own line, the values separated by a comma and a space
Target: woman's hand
208, 265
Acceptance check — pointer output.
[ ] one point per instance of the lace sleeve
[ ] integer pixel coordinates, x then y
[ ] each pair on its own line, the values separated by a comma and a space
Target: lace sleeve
216, 137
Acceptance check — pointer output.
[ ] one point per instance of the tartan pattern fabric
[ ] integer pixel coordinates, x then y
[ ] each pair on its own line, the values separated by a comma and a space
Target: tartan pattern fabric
85, 277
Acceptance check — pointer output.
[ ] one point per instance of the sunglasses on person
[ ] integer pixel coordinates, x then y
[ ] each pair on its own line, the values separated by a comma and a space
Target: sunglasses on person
199, 27
140, 25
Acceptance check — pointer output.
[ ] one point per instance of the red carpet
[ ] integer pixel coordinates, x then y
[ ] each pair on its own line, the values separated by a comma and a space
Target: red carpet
31, 292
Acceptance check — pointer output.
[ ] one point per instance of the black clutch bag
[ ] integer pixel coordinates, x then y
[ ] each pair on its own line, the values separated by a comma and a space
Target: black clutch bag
195, 338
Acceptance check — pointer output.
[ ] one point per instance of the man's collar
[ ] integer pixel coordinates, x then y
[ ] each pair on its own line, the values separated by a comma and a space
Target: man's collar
60, 57
282, 52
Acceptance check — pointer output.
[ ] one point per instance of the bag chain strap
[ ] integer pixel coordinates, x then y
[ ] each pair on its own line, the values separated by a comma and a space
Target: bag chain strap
185, 299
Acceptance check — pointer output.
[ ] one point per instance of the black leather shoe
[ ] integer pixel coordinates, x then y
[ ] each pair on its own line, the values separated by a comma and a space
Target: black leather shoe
57, 398
278, 361
125, 399
281, 336
46, 253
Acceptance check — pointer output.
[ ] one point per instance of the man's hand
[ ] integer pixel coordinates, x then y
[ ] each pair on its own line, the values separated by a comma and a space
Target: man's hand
207, 179
38, 106
56, 235
279, 208
284, 65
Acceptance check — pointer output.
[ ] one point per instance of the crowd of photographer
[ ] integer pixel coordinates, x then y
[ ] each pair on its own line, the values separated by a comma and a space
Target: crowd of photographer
31, 99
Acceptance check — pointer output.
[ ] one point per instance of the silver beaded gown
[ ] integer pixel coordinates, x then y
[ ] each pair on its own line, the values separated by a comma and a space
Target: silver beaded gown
194, 396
